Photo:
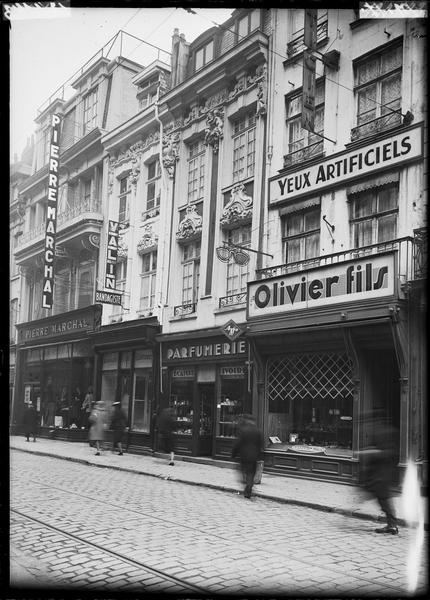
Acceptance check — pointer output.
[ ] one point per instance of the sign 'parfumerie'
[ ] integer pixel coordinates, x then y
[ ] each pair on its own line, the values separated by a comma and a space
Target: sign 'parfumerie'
51, 215
342, 167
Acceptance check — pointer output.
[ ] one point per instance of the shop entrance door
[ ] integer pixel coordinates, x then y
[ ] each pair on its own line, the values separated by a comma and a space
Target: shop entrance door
203, 425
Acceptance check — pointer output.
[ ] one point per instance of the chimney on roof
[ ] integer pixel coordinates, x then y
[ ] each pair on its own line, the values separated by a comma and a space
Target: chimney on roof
179, 60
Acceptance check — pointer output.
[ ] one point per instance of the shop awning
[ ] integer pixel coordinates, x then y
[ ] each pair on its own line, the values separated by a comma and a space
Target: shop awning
296, 206
373, 182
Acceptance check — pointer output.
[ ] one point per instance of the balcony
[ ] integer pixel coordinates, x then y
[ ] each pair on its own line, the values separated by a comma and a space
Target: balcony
407, 260
234, 300
87, 209
296, 46
183, 310
420, 253
303, 154
370, 128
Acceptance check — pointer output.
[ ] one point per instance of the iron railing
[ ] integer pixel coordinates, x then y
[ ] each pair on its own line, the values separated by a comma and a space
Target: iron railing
187, 308
297, 44
303, 154
233, 300
403, 246
420, 253
369, 128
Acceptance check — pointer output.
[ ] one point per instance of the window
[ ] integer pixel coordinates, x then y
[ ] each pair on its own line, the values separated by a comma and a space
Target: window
237, 276
298, 137
87, 191
85, 290
190, 273
123, 215
152, 185
204, 55
147, 100
196, 171
378, 82
301, 235
148, 276
121, 280
374, 216
248, 23
243, 147
90, 111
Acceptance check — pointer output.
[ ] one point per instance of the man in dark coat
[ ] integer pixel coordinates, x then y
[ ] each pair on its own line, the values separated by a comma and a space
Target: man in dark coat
118, 425
166, 427
249, 448
378, 470
30, 422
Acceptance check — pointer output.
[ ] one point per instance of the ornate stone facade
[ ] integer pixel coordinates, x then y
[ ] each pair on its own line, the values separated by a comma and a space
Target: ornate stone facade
170, 152
191, 225
238, 208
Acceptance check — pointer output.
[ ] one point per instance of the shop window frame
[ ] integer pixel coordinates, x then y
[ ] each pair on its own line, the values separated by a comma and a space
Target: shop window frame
303, 236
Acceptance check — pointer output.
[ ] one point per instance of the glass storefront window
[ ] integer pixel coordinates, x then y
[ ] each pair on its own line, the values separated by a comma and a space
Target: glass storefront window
108, 387
142, 400
232, 401
110, 361
126, 360
310, 400
181, 399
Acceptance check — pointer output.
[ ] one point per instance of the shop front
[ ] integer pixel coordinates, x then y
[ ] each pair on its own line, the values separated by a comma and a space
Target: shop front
205, 379
126, 372
331, 361
54, 370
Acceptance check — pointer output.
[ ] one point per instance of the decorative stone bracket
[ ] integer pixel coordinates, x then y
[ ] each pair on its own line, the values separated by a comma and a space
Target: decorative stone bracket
170, 152
214, 128
191, 225
238, 208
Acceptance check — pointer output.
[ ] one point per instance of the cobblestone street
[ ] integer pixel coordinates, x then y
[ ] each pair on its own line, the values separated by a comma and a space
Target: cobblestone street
73, 525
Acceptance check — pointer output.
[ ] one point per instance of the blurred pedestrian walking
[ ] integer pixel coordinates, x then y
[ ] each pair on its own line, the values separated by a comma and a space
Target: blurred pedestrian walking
154, 429
166, 427
97, 426
249, 448
378, 472
30, 422
118, 425
49, 403
87, 406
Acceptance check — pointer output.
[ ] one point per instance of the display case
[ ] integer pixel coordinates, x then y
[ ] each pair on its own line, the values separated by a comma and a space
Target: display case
181, 400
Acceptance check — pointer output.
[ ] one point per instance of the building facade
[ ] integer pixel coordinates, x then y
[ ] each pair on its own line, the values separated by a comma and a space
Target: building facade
242, 264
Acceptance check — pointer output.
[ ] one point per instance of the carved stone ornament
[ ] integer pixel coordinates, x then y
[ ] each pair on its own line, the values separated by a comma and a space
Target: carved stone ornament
148, 240
214, 128
170, 152
262, 93
238, 208
122, 249
191, 225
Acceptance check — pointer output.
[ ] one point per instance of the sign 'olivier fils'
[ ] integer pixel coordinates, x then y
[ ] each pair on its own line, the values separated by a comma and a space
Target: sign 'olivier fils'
51, 216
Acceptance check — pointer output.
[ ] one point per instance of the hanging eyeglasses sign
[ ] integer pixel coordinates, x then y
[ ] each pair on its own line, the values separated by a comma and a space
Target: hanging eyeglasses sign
238, 253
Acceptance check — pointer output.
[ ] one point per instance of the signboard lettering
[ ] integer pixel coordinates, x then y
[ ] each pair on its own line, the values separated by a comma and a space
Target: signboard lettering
51, 215
308, 92
205, 351
108, 298
342, 167
366, 278
112, 255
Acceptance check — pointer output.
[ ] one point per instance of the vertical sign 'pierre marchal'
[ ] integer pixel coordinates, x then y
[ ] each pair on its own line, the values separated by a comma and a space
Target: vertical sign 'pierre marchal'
51, 215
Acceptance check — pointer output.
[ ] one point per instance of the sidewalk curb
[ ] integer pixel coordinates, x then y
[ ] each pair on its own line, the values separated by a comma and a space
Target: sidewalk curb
304, 503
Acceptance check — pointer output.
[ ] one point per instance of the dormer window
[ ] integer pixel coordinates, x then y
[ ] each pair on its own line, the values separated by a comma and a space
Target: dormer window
204, 55
248, 23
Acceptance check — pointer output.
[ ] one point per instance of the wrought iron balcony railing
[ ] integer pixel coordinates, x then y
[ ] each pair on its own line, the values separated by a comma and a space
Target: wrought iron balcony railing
64, 217
187, 308
420, 253
233, 300
369, 128
297, 43
302, 154
406, 261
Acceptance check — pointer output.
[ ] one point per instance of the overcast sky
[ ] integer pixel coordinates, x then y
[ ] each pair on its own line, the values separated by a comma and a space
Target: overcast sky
45, 52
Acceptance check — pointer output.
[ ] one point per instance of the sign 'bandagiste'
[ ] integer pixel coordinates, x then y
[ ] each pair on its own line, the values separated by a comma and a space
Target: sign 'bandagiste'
342, 167
51, 215
370, 277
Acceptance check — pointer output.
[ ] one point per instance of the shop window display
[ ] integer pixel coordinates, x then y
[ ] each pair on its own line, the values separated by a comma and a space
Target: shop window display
231, 406
310, 401
142, 405
181, 400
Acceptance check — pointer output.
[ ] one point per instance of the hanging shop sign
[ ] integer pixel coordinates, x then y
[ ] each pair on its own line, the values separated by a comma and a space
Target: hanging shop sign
204, 352
232, 330
108, 298
112, 255
51, 215
344, 166
371, 277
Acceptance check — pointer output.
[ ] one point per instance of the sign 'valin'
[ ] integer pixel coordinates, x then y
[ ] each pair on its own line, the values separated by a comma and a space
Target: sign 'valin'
368, 278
